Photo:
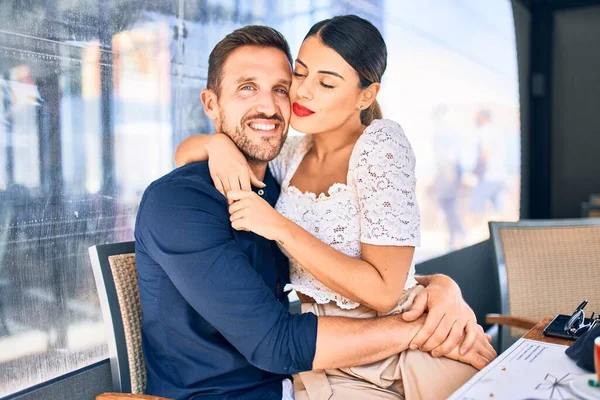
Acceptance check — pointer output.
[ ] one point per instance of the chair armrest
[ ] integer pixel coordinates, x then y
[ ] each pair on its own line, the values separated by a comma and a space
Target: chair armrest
128, 396
516, 322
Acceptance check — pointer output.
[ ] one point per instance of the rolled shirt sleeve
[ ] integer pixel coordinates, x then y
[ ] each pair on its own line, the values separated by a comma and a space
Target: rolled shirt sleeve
189, 235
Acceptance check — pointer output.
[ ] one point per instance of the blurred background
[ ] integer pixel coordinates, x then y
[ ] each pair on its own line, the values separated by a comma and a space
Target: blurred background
95, 95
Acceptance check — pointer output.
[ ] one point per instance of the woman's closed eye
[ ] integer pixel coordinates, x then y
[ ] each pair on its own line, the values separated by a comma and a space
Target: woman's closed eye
302, 76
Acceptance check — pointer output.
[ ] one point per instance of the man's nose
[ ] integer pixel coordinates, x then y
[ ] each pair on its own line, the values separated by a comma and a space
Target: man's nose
267, 104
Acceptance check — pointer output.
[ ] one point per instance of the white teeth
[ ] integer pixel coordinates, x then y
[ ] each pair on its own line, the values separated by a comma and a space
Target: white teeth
263, 127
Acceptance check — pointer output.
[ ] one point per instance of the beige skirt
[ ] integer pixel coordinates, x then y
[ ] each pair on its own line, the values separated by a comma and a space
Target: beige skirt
410, 375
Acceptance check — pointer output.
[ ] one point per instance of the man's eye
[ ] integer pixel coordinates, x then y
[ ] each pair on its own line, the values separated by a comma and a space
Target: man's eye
280, 90
247, 87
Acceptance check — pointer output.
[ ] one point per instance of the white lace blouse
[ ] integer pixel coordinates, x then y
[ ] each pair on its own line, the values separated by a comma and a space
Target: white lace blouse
377, 204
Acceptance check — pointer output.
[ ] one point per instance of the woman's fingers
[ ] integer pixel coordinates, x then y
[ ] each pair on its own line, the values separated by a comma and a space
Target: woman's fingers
248, 179
234, 182
226, 185
489, 348
471, 335
238, 225
238, 205
255, 181
219, 185
482, 353
489, 353
486, 356
238, 215
244, 181
235, 195
480, 362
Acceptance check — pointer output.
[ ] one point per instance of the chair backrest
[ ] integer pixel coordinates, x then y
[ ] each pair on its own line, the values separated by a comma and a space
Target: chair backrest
546, 267
117, 283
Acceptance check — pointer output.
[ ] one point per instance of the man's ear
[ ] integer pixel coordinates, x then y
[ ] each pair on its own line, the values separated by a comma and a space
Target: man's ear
369, 94
209, 101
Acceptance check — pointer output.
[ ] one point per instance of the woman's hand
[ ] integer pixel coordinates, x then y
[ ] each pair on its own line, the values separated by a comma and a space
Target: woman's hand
250, 212
229, 168
479, 355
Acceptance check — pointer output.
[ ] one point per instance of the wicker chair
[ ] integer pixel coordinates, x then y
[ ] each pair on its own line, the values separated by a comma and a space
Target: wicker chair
545, 268
116, 280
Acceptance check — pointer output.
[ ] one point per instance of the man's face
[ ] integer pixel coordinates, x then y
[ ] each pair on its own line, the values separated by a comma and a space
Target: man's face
254, 106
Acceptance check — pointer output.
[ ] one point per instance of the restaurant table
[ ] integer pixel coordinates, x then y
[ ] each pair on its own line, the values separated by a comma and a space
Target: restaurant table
536, 333
534, 367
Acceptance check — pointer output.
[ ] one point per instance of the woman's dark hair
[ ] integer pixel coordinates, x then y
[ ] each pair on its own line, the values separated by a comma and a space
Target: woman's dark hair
360, 43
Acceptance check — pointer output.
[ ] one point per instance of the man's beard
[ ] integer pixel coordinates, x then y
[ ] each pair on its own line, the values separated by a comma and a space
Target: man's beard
255, 153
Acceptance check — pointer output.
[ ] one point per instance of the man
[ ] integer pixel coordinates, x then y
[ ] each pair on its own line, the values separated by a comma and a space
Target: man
215, 319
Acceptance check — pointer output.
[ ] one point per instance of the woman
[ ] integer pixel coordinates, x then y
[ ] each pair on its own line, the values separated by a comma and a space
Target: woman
348, 218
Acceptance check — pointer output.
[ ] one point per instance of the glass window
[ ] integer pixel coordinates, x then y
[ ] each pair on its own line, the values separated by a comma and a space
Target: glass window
95, 96
452, 84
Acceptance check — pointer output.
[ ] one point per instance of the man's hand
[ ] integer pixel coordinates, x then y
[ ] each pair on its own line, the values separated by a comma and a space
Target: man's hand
449, 317
481, 353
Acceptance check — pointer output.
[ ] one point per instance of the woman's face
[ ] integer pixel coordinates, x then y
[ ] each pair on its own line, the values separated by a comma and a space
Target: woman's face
325, 92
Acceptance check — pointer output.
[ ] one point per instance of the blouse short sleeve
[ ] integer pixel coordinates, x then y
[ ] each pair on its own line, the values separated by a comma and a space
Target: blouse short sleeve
279, 165
383, 172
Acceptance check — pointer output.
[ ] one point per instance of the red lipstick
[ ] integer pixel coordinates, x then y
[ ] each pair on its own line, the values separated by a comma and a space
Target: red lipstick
301, 111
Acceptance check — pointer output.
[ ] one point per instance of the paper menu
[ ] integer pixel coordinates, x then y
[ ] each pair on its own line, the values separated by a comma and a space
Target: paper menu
527, 370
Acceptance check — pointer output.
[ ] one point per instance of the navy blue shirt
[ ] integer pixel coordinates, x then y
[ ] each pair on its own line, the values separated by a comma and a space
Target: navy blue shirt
215, 323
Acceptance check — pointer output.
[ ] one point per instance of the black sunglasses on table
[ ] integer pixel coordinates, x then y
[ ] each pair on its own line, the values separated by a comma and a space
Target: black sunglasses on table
577, 325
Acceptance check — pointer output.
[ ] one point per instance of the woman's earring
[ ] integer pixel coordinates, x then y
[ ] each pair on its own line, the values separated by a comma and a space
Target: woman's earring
361, 107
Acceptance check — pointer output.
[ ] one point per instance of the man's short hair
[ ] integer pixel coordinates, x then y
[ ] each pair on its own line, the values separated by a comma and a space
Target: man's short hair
251, 35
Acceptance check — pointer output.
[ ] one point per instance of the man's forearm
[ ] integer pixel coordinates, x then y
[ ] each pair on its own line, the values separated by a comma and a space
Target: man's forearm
348, 342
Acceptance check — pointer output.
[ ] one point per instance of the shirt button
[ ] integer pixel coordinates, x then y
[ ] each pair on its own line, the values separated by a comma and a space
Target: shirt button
261, 192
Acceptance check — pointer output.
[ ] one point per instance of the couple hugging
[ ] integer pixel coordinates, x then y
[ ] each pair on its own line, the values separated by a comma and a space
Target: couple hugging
254, 214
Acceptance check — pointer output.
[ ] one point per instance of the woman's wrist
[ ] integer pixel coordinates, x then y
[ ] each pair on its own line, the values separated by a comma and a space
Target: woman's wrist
438, 279
284, 231
444, 280
215, 139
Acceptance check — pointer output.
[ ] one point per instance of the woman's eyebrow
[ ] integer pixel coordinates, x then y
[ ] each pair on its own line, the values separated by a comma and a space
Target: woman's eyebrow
331, 73
321, 71
299, 61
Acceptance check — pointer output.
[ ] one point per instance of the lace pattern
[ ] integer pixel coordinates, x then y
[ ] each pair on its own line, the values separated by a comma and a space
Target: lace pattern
383, 168
377, 205
293, 146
